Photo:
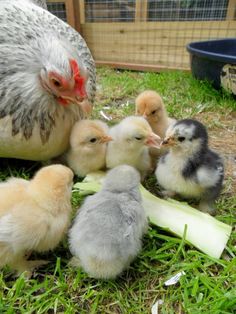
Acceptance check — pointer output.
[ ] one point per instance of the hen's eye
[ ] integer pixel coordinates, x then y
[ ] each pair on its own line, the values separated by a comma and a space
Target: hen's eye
56, 83
93, 140
154, 111
181, 138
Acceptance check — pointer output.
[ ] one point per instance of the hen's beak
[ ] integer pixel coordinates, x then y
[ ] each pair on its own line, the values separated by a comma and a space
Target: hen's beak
106, 138
83, 102
86, 106
169, 141
153, 140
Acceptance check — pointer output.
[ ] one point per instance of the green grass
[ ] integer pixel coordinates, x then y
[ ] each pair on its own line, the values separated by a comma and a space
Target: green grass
209, 286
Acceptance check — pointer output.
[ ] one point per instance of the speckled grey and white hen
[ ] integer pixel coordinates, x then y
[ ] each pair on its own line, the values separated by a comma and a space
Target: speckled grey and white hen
190, 168
47, 80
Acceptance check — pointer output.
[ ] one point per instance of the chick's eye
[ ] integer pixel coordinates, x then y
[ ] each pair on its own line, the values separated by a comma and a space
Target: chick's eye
138, 138
93, 140
154, 111
181, 138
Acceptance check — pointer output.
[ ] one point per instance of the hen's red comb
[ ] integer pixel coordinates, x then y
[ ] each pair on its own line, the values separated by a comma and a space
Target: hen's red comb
79, 80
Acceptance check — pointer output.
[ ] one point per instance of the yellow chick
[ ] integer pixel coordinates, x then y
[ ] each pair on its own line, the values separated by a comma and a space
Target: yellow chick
88, 144
131, 139
34, 215
149, 104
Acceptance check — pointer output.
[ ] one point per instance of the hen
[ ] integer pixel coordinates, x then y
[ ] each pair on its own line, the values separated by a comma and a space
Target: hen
47, 80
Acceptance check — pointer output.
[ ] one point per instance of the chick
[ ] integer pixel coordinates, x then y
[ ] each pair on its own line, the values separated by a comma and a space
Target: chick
149, 104
34, 215
131, 139
190, 168
107, 232
88, 143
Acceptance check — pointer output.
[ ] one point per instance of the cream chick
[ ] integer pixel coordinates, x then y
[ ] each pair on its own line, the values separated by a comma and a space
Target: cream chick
131, 139
149, 104
88, 144
34, 215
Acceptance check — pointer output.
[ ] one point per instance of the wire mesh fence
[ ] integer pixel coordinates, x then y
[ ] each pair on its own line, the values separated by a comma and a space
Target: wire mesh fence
150, 34
192, 10
157, 10
58, 9
112, 11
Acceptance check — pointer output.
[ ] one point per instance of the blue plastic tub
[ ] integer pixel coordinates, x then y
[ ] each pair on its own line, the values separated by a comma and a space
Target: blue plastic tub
215, 61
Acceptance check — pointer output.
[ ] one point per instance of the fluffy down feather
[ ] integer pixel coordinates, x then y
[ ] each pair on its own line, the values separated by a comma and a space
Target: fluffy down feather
190, 168
34, 215
88, 145
131, 139
106, 234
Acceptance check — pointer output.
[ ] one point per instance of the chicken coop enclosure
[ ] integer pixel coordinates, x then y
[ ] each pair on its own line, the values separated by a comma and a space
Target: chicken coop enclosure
146, 34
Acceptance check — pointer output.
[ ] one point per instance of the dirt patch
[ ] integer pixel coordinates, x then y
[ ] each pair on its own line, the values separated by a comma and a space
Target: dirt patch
222, 138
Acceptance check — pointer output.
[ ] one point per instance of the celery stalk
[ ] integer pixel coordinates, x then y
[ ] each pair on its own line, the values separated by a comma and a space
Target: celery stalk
203, 231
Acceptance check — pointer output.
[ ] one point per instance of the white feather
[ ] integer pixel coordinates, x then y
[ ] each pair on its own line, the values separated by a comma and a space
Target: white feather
209, 177
169, 176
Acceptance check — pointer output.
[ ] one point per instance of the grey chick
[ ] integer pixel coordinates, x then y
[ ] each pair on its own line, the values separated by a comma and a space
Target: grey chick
190, 168
107, 232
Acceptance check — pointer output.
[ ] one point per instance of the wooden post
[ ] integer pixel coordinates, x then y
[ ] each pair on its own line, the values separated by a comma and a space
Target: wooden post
144, 10
82, 11
79, 7
231, 10
70, 12
138, 7
141, 10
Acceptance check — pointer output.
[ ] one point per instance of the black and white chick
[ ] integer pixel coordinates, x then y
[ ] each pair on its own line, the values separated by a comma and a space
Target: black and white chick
190, 168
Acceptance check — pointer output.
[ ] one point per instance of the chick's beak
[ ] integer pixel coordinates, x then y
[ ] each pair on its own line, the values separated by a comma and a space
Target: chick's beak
106, 138
169, 141
153, 140
144, 115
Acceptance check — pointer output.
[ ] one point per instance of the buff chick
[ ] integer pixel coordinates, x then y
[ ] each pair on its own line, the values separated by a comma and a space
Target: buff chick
149, 104
34, 216
88, 144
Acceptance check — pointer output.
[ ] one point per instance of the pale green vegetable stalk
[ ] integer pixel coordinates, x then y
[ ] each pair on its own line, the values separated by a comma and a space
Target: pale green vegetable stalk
203, 231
